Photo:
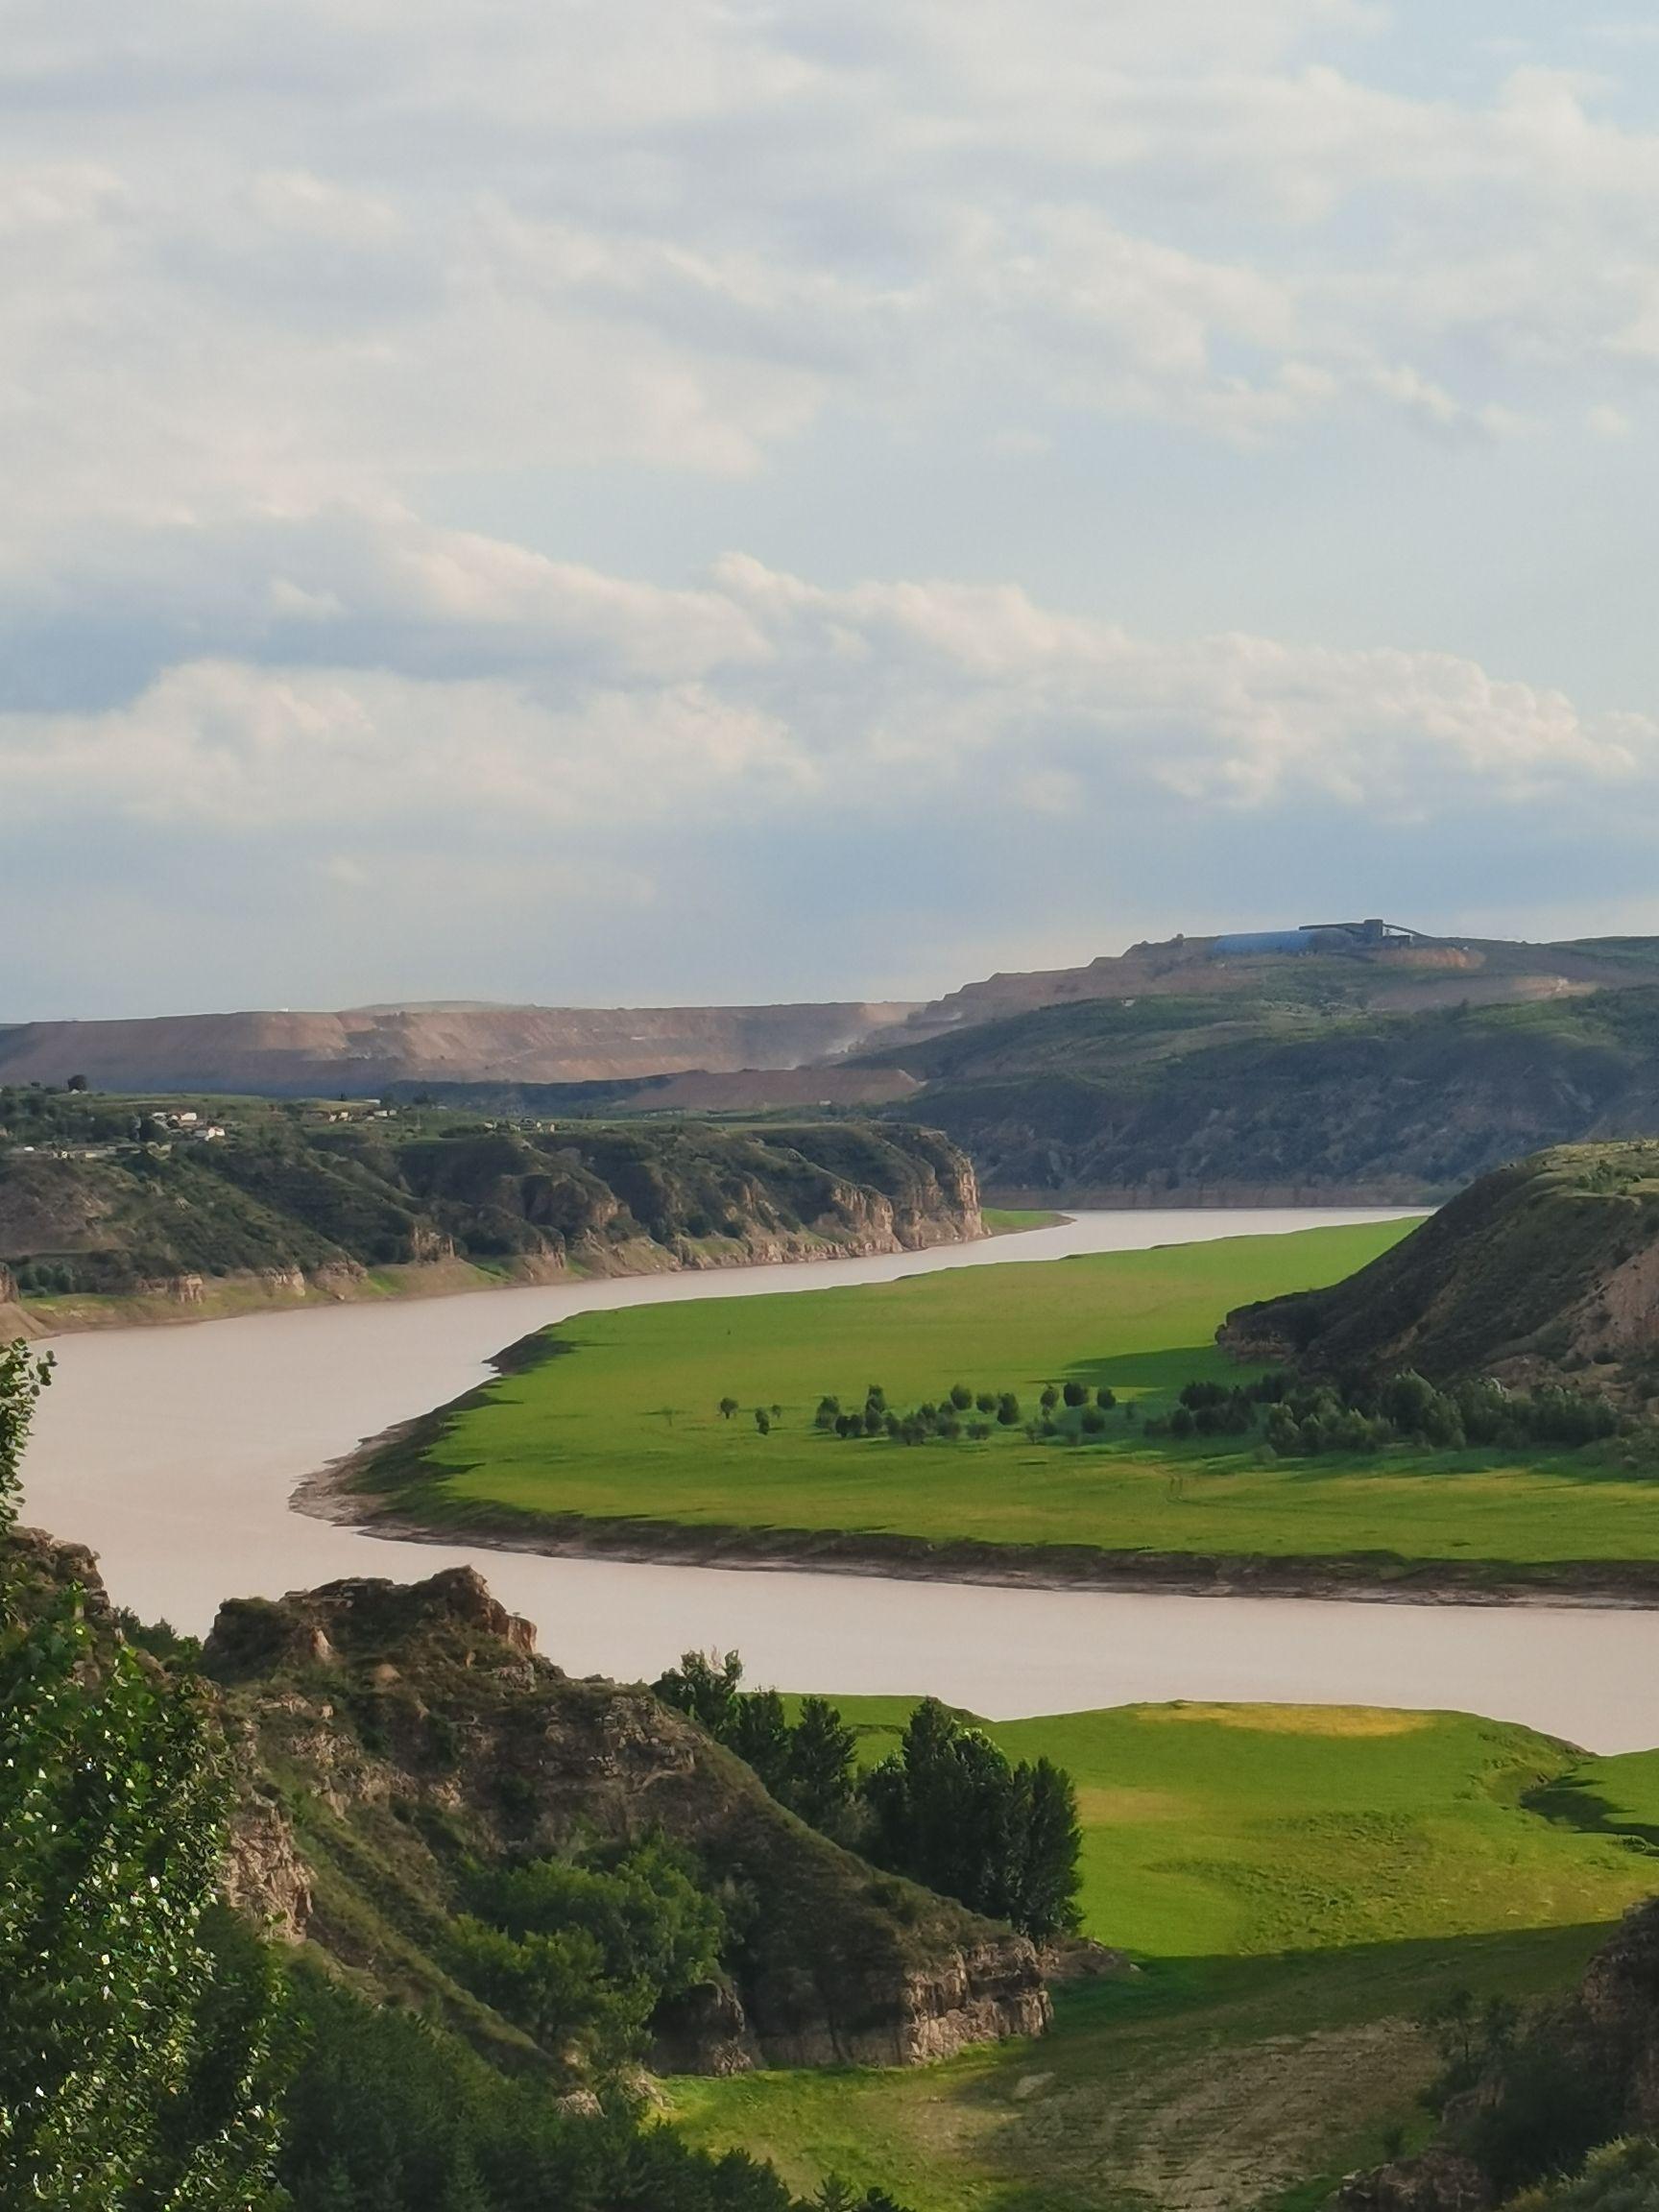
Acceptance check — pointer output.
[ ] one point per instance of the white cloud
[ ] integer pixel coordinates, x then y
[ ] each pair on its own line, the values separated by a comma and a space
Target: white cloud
262, 257
762, 700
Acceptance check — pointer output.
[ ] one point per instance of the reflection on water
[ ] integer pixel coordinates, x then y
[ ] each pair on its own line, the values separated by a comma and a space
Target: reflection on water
173, 1453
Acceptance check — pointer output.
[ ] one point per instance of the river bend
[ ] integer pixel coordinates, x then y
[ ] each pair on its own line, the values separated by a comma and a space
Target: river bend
173, 1452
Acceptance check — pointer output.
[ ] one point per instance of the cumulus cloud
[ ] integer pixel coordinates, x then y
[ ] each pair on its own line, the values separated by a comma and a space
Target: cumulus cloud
764, 699
262, 257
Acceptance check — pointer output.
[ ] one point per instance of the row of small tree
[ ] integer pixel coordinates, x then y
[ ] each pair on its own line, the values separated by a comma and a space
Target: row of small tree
962, 1411
948, 1808
1309, 1419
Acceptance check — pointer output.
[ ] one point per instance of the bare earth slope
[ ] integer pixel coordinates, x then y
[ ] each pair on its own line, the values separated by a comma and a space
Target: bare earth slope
363, 1052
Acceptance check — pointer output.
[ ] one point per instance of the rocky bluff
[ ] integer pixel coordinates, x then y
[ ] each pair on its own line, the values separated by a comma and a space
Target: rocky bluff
392, 1734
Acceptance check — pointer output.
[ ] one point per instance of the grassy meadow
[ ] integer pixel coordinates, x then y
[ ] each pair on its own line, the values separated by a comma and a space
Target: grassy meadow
621, 1422
1296, 1885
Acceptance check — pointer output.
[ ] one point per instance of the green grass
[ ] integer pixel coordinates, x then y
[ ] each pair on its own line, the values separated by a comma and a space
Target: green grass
623, 1425
1297, 1885
1010, 1220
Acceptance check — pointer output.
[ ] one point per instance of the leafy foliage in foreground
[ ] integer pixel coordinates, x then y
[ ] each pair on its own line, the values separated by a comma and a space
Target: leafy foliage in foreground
135, 2017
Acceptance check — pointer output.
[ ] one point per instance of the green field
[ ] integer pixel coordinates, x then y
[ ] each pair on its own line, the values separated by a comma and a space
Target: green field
620, 1422
1296, 1885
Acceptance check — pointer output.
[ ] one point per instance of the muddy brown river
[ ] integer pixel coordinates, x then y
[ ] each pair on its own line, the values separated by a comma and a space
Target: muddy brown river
174, 1453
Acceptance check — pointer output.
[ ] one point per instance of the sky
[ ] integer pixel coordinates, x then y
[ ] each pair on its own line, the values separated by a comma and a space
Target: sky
647, 501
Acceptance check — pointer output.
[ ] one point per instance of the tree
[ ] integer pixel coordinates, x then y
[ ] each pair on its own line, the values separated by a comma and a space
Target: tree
1008, 1410
758, 1731
1105, 1399
705, 1685
76, 1082
952, 1811
137, 2019
1046, 1843
961, 1397
1076, 1394
986, 1402
1050, 1399
822, 1754
728, 1407
762, 1420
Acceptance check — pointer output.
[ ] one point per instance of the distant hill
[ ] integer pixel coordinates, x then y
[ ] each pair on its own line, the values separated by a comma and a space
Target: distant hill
1351, 1062
1545, 1271
1116, 1105
363, 1052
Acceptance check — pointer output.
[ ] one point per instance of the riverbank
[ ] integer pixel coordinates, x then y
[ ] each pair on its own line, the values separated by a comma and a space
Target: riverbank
196, 1298
344, 1495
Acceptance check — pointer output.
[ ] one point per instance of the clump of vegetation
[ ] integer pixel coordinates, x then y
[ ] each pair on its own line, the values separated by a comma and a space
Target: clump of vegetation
945, 1419
1309, 1419
391, 2113
1543, 2103
951, 1811
1622, 2177
807, 1765
580, 1954
948, 1808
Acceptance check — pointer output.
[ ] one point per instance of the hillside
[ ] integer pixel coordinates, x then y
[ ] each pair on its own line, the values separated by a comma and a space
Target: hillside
1232, 986
104, 1198
1188, 1100
1544, 1270
1397, 973
401, 1738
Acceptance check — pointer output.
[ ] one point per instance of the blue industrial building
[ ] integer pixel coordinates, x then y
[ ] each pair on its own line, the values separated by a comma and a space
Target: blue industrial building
1317, 937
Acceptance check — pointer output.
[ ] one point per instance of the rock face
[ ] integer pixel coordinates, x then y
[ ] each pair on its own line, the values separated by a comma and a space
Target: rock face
1437, 2182
285, 1208
1615, 2018
420, 1722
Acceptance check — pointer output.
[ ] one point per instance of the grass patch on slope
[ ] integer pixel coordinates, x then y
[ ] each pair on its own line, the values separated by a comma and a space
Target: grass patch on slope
1298, 1885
